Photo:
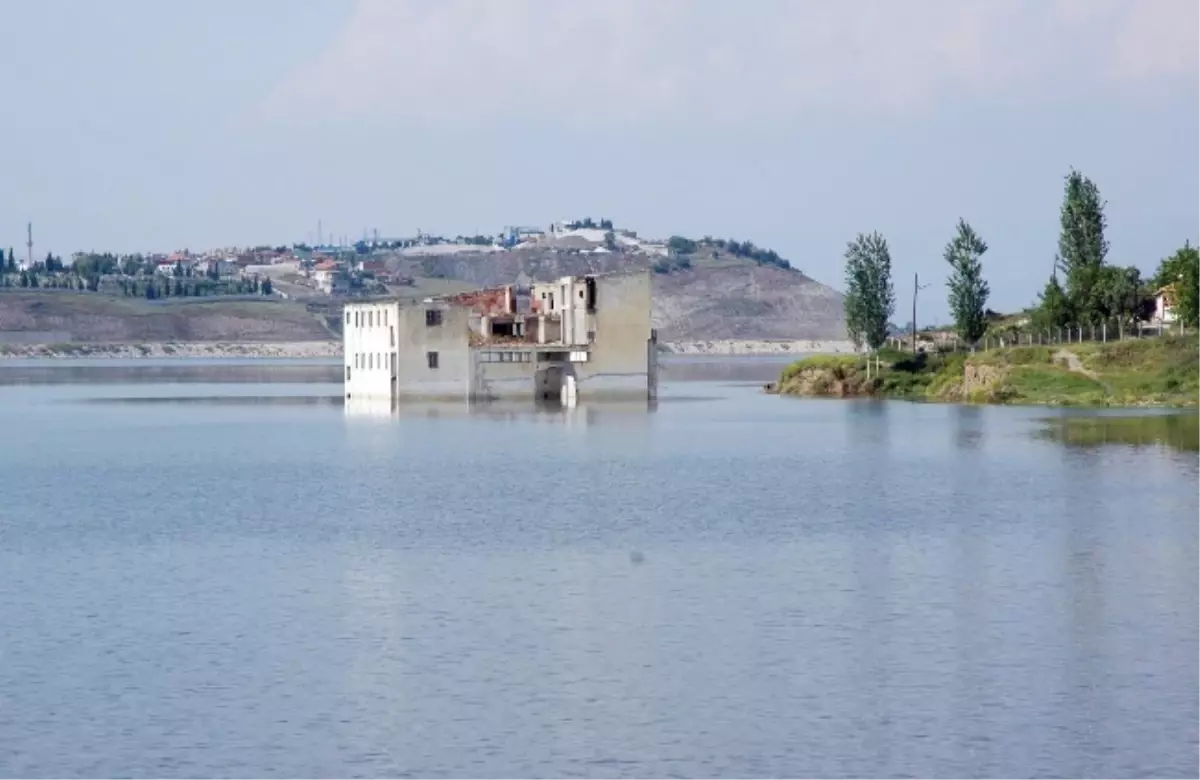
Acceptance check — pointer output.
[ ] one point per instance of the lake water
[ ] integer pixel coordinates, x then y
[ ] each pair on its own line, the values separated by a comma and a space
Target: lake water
206, 573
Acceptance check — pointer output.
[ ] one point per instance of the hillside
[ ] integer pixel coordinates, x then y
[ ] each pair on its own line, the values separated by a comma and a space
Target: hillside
53, 316
708, 294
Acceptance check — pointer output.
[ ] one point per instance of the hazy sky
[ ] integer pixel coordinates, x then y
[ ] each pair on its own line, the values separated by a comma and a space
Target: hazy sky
146, 124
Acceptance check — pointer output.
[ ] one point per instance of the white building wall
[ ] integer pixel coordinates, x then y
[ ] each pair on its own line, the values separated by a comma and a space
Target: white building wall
369, 348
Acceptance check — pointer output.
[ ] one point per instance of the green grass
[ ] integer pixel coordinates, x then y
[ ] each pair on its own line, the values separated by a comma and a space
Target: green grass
1050, 386
1151, 372
901, 374
822, 362
1016, 356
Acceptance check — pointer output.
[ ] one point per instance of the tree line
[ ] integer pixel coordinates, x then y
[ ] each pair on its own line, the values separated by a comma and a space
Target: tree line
681, 247
138, 277
1094, 291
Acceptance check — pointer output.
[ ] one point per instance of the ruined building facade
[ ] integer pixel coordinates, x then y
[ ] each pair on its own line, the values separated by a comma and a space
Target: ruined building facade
559, 340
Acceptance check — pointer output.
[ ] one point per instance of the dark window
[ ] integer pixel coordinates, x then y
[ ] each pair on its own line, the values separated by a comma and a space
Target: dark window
433, 317
432, 358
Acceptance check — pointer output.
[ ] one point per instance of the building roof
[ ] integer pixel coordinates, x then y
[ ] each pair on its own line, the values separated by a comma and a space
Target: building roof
1168, 292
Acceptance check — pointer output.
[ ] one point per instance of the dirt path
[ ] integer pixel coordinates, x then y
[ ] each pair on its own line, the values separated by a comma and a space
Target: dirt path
1074, 363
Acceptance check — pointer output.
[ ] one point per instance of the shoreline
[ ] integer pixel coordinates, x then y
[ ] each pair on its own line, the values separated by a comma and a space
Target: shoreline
1141, 373
333, 349
174, 349
759, 347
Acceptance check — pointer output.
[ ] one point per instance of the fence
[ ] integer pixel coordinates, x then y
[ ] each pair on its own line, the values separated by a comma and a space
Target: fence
1113, 330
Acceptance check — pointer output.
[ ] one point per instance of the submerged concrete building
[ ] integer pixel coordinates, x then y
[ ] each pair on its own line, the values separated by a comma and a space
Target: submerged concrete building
578, 335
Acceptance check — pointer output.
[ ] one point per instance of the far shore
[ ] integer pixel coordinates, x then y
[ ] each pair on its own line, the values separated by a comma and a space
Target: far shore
175, 349
333, 349
750, 347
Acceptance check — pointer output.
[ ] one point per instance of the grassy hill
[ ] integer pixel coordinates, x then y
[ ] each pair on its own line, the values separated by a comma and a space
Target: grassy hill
1148, 372
60, 316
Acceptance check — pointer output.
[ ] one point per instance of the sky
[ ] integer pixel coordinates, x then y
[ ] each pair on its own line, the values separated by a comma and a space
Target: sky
138, 125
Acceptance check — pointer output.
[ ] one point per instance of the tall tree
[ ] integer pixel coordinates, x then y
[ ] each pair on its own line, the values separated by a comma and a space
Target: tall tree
12, 261
1082, 247
1054, 307
968, 290
1118, 293
870, 298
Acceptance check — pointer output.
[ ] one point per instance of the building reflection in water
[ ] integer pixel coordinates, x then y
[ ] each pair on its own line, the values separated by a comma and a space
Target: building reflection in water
571, 414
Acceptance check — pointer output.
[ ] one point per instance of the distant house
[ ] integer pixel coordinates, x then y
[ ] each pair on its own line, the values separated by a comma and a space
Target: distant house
1165, 300
329, 277
214, 265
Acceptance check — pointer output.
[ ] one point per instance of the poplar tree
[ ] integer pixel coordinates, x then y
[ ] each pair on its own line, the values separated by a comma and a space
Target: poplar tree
968, 290
870, 298
1082, 247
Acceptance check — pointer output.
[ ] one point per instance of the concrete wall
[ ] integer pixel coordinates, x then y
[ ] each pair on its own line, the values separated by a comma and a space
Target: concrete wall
454, 375
620, 359
503, 380
369, 348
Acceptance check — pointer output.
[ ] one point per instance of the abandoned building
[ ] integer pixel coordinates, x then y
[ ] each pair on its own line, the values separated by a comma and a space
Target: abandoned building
553, 341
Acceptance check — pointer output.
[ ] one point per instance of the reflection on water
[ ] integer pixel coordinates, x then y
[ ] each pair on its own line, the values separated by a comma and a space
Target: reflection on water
206, 370
580, 412
1179, 431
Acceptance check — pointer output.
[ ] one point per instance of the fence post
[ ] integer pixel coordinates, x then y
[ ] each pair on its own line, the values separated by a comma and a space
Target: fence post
1104, 331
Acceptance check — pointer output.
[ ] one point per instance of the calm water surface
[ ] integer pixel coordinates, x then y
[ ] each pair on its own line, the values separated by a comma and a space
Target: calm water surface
215, 575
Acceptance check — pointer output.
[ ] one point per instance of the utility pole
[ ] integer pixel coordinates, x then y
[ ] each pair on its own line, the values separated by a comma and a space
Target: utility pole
917, 287
319, 236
